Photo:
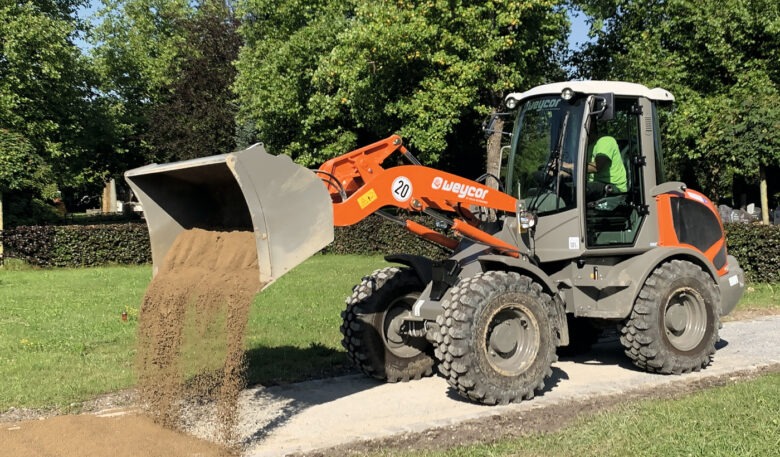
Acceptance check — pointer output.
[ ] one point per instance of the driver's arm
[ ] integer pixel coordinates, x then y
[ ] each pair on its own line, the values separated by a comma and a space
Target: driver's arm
592, 167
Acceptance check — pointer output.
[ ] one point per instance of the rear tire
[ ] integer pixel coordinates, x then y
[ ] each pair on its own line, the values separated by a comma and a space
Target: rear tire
496, 342
673, 327
371, 327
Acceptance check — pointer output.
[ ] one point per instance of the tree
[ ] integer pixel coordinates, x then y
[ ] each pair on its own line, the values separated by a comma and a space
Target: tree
319, 78
283, 43
44, 98
136, 53
196, 117
718, 58
25, 180
166, 69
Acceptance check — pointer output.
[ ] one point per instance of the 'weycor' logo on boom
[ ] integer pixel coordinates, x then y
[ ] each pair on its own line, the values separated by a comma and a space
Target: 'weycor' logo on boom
463, 190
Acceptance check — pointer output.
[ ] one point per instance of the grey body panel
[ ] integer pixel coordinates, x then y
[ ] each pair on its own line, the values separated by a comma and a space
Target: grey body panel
606, 287
286, 206
731, 285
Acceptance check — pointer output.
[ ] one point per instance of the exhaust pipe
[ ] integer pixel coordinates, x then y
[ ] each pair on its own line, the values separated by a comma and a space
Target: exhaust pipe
286, 205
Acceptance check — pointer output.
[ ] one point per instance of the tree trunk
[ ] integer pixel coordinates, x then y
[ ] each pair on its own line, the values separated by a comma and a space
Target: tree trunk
764, 196
493, 165
494, 153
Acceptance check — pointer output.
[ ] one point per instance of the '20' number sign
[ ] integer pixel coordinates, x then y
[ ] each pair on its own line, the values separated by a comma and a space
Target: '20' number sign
401, 188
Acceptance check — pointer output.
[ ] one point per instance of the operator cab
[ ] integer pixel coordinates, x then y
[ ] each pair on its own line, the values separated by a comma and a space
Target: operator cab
578, 159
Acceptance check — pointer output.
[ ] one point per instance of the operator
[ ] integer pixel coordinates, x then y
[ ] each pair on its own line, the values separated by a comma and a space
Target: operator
605, 167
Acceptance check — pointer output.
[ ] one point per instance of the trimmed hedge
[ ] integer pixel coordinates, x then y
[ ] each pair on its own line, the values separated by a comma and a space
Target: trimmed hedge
757, 247
91, 245
79, 245
376, 235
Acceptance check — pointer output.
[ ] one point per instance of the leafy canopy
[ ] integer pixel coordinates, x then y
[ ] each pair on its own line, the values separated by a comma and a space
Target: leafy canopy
166, 70
44, 100
317, 79
719, 58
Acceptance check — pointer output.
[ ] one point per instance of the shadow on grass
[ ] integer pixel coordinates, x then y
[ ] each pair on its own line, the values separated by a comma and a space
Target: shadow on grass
272, 366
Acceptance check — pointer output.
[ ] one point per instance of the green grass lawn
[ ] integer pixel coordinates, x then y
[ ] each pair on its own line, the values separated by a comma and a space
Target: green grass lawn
62, 339
735, 420
760, 296
294, 324
61, 334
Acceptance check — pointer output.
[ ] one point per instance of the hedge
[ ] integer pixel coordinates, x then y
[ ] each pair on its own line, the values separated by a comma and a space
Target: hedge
91, 245
79, 245
757, 247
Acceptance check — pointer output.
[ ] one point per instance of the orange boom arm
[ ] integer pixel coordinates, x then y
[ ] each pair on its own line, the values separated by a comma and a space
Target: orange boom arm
359, 186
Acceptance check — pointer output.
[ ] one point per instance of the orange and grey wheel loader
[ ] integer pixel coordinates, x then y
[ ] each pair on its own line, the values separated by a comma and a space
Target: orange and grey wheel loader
577, 237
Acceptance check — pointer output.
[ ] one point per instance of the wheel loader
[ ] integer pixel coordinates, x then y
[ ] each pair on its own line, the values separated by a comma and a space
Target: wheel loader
539, 263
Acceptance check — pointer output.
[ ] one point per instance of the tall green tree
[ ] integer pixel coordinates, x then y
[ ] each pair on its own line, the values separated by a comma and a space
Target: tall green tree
27, 183
136, 52
319, 78
45, 95
196, 117
720, 60
166, 70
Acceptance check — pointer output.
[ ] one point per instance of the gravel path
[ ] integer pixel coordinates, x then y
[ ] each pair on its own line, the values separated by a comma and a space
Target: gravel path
319, 414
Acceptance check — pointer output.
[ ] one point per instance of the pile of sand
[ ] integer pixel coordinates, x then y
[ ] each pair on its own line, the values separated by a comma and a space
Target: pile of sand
192, 324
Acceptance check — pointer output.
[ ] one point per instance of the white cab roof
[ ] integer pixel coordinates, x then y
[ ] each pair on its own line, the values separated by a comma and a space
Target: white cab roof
597, 87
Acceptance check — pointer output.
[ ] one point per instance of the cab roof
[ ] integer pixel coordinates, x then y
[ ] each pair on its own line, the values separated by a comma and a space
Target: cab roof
597, 87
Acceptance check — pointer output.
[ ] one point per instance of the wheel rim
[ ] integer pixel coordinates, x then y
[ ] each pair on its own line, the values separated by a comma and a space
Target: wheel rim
512, 340
396, 339
685, 319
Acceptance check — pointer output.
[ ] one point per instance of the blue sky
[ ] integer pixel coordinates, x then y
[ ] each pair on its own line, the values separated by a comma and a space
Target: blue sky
579, 29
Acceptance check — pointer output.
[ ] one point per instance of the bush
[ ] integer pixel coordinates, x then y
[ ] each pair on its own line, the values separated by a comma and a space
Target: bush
92, 245
79, 246
33, 244
757, 247
376, 235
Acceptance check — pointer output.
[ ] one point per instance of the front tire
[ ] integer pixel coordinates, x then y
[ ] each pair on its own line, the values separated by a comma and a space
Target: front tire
496, 340
673, 327
372, 327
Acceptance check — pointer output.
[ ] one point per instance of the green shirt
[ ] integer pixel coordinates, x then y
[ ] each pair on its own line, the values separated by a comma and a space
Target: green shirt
616, 173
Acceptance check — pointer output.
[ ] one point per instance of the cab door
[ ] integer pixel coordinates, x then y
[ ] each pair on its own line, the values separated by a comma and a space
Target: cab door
614, 215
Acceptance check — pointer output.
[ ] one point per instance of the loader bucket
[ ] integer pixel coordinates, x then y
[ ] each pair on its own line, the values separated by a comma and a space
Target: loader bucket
286, 206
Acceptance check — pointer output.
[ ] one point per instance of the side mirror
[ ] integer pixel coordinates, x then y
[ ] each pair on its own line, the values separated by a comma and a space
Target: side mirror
604, 107
489, 125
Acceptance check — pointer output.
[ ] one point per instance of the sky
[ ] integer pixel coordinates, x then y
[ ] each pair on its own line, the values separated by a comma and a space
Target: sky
579, 30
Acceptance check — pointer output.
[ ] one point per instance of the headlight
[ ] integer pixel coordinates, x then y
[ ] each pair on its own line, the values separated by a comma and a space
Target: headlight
511, 103
567, 93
